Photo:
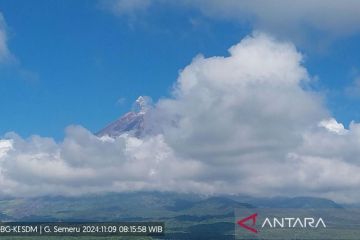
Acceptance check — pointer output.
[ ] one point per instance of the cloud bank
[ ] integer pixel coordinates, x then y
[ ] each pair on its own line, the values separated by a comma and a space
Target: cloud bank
329, 16
242, 123
297, 20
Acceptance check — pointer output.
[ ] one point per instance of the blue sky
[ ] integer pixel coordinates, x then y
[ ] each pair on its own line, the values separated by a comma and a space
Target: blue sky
257, 127
78, 62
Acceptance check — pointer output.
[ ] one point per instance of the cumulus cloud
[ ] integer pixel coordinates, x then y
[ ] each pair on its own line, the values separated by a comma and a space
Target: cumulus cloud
5, 146
84, 163
333, 126
236, 124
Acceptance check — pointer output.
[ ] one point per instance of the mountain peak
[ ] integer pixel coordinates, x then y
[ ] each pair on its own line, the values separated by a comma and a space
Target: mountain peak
142, 104
132, 122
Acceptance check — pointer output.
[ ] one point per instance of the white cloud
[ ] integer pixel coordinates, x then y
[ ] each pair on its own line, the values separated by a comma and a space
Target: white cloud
126, 7
235, 124
333, 126
5, 54
84, 163
5, 146
239, 103
330, 16
294, 19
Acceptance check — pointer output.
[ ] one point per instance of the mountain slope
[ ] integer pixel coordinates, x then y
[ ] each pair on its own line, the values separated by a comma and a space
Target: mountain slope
131, 122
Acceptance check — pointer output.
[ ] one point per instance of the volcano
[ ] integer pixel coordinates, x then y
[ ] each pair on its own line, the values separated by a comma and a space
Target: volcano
132, 122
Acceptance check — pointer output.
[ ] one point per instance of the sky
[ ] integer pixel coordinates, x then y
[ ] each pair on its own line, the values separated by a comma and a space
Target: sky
253, 84
78, 62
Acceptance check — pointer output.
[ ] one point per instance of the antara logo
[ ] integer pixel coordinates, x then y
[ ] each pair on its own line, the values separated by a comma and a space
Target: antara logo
290, 222
244, 220
286, 222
